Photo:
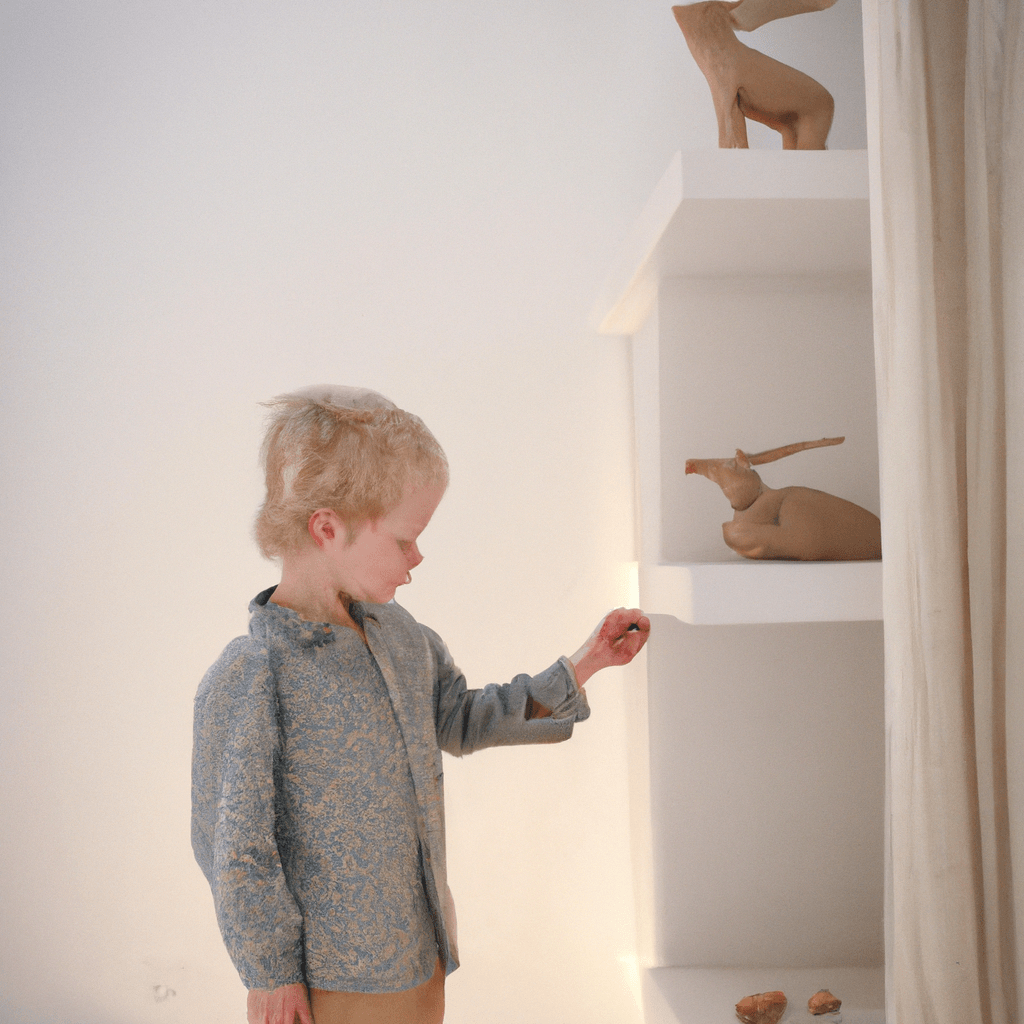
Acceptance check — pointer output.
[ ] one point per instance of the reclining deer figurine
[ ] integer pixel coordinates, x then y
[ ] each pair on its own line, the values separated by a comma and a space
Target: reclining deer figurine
791, 522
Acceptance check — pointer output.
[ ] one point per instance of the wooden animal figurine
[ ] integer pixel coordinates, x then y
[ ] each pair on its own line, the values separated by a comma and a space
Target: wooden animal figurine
746, 83
791, 522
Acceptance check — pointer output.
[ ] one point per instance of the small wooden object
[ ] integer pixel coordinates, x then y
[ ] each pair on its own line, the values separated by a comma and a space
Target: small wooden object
823, 1002
763, 1008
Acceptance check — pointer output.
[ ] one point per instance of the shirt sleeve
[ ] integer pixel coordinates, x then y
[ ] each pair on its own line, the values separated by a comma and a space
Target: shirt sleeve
234, 813
496, 715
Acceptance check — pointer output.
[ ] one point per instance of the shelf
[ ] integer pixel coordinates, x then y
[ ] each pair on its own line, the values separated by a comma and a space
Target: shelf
736, 592
734, 212
688, 996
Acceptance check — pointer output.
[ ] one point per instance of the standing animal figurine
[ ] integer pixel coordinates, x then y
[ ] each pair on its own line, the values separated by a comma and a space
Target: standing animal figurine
746, 83
791, 522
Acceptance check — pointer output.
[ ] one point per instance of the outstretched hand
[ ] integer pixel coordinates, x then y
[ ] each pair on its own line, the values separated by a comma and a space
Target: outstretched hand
288, 1004
614, 642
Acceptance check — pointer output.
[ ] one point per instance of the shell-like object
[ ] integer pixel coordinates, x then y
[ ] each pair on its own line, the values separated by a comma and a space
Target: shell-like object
763, 1008
823, 1002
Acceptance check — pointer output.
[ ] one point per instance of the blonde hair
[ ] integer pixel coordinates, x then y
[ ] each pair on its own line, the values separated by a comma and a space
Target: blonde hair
348, 449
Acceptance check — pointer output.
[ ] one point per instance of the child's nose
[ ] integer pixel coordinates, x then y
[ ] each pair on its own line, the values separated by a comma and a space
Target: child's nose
414, 557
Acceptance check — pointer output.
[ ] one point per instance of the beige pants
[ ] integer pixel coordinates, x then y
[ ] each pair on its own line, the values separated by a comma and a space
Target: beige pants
421, 1005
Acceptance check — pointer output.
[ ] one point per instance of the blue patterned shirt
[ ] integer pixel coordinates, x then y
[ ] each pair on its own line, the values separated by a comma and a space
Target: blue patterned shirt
317, 792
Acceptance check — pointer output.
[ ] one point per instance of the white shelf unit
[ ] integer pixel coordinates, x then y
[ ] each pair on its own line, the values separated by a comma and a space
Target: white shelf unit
758, 747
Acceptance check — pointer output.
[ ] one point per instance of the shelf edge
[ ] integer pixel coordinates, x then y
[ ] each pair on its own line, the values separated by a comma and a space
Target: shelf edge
717, 175
746, 593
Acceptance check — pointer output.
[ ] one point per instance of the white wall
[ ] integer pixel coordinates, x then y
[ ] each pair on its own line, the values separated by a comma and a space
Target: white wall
207, 203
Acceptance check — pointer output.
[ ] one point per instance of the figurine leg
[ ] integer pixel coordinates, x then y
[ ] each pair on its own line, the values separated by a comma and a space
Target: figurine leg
711, 38
787, 100
732, 124
815, 124
805, 524
755, 540
754, 531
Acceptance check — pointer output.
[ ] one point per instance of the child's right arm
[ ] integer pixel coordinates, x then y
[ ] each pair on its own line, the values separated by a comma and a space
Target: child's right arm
236, 737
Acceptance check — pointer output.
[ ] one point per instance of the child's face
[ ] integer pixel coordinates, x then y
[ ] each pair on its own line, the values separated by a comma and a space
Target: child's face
379, 558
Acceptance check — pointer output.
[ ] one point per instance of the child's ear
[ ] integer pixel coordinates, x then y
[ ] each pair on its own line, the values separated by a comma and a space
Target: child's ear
323, 526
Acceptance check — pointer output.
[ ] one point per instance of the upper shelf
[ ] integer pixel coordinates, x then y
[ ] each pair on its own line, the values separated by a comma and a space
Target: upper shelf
743, 591
742, 211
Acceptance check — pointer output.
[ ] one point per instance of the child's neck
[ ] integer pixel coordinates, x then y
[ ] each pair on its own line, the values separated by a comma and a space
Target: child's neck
309, 593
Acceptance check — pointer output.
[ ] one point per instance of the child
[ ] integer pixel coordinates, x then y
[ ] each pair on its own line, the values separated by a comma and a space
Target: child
317, 797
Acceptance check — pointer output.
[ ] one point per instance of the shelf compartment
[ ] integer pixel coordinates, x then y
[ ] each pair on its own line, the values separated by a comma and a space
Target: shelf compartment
674, 995
738, 592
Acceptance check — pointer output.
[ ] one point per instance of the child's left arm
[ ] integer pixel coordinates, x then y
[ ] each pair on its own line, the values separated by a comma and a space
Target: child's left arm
530, 709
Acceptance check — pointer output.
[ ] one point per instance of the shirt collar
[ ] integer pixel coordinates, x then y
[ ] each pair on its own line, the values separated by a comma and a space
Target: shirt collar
268, 618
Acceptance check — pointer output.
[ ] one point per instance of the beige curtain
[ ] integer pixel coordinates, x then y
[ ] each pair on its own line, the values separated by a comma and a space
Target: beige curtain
946, 142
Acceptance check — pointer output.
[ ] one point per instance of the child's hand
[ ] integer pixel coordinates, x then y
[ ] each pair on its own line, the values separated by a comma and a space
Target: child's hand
617, 640
288, 1004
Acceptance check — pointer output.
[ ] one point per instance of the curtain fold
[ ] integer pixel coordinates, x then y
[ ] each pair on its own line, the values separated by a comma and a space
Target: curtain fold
945, 85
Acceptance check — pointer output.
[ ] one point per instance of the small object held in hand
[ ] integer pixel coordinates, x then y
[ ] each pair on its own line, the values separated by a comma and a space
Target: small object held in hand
763, 1008
823, 1002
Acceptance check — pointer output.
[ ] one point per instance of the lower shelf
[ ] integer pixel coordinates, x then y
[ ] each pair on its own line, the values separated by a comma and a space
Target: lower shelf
677, 995
747, 591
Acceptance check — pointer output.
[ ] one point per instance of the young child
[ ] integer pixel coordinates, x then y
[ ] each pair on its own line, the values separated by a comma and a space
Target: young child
317, 795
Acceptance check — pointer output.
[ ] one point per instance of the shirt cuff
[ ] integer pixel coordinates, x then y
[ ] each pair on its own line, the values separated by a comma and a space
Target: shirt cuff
556, 689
